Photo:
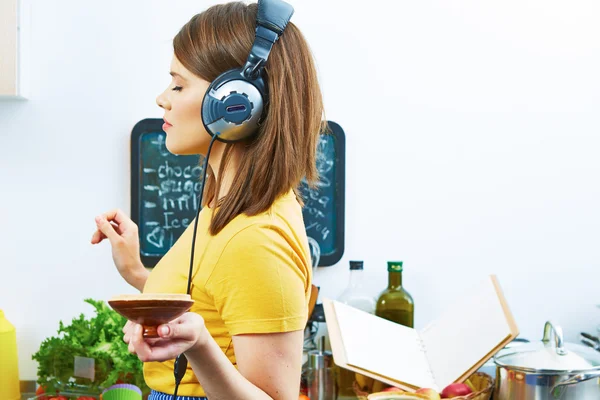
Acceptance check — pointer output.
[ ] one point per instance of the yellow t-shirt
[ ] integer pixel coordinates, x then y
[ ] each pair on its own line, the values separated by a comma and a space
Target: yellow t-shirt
252, 277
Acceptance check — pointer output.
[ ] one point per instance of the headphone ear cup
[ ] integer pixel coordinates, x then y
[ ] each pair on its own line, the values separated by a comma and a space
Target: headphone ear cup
232, 106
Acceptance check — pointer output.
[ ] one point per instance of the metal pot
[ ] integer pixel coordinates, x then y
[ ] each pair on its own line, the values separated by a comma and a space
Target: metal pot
548, 370
490, 366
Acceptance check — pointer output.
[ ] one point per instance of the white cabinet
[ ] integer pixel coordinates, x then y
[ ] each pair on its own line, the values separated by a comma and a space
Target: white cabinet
13, 48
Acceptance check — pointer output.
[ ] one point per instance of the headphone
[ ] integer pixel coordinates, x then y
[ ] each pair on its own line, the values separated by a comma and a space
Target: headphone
234, 102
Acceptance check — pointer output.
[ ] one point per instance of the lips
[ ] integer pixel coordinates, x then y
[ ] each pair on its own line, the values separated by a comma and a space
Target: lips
166, 125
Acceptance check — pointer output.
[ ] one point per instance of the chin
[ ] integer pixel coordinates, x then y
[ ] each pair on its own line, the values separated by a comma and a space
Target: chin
198, 145
176, 147
172, 149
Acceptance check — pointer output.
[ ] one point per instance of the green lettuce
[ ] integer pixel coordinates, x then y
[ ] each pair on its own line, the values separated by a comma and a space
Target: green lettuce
100, 338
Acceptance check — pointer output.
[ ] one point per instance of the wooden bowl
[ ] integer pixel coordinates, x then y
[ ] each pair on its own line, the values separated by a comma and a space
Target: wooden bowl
151, 309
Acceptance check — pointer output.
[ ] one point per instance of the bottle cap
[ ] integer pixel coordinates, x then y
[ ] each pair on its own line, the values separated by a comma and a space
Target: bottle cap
395, 266
356, 265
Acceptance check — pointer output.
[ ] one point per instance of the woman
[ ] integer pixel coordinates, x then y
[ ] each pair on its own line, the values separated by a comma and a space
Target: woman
252, 275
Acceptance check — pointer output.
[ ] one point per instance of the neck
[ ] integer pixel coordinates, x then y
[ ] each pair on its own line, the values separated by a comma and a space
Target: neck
356, 277
395, 280
217, 156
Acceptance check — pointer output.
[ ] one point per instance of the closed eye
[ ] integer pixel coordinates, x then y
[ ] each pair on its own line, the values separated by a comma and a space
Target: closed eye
177, 88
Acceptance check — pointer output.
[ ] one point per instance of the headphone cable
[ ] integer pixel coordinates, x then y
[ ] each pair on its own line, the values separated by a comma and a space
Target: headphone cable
180, 365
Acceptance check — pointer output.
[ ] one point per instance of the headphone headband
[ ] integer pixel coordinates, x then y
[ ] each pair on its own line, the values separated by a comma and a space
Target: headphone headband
274, 15
271, 20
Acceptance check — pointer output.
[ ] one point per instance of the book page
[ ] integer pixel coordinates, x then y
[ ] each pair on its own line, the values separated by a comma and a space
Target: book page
474, 328
383, 347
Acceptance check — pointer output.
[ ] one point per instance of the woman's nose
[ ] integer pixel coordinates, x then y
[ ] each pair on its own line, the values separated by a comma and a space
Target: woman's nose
162, 102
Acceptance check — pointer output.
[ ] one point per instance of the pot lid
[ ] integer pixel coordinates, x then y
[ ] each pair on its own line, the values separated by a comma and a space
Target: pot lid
550, 355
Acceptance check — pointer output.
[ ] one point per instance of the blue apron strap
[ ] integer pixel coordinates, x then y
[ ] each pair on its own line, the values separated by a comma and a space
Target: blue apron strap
154, 395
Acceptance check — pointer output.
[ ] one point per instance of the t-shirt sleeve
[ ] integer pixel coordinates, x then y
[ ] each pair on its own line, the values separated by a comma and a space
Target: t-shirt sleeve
259, 284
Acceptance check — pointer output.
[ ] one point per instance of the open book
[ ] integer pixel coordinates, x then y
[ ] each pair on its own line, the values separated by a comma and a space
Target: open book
448, 350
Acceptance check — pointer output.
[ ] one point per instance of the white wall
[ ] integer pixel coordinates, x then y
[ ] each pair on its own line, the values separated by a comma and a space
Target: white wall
472, 148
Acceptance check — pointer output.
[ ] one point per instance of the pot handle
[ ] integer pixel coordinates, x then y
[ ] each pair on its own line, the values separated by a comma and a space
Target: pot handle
549, 328
576, 379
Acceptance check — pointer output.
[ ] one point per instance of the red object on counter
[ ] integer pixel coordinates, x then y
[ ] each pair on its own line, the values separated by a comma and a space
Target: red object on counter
40, 390
455, 390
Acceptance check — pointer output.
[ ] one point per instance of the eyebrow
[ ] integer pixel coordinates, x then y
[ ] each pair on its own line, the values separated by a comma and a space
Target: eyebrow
175, 74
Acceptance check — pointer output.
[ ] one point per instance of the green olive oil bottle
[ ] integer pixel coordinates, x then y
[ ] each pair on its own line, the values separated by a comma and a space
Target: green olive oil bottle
395, 303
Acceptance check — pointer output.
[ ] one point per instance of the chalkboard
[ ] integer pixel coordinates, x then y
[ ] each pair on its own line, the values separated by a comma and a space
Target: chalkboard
165, 189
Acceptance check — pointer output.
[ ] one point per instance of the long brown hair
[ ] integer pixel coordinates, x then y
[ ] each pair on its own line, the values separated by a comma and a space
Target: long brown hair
284, 150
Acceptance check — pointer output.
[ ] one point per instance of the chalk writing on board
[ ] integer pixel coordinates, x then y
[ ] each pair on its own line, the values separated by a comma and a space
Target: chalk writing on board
170, 186
318, 205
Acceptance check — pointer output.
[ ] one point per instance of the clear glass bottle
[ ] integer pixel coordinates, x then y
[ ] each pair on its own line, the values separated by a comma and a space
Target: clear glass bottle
395, 303
355, 295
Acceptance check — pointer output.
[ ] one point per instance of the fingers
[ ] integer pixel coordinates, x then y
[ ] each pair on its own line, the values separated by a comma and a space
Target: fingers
107, 229
121, 220
117, 215
127, 326
138, 345
185, 328
153, 350
112, 225
175, 338
97, 237
131, 348
127, 332
176, 331
130, 331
